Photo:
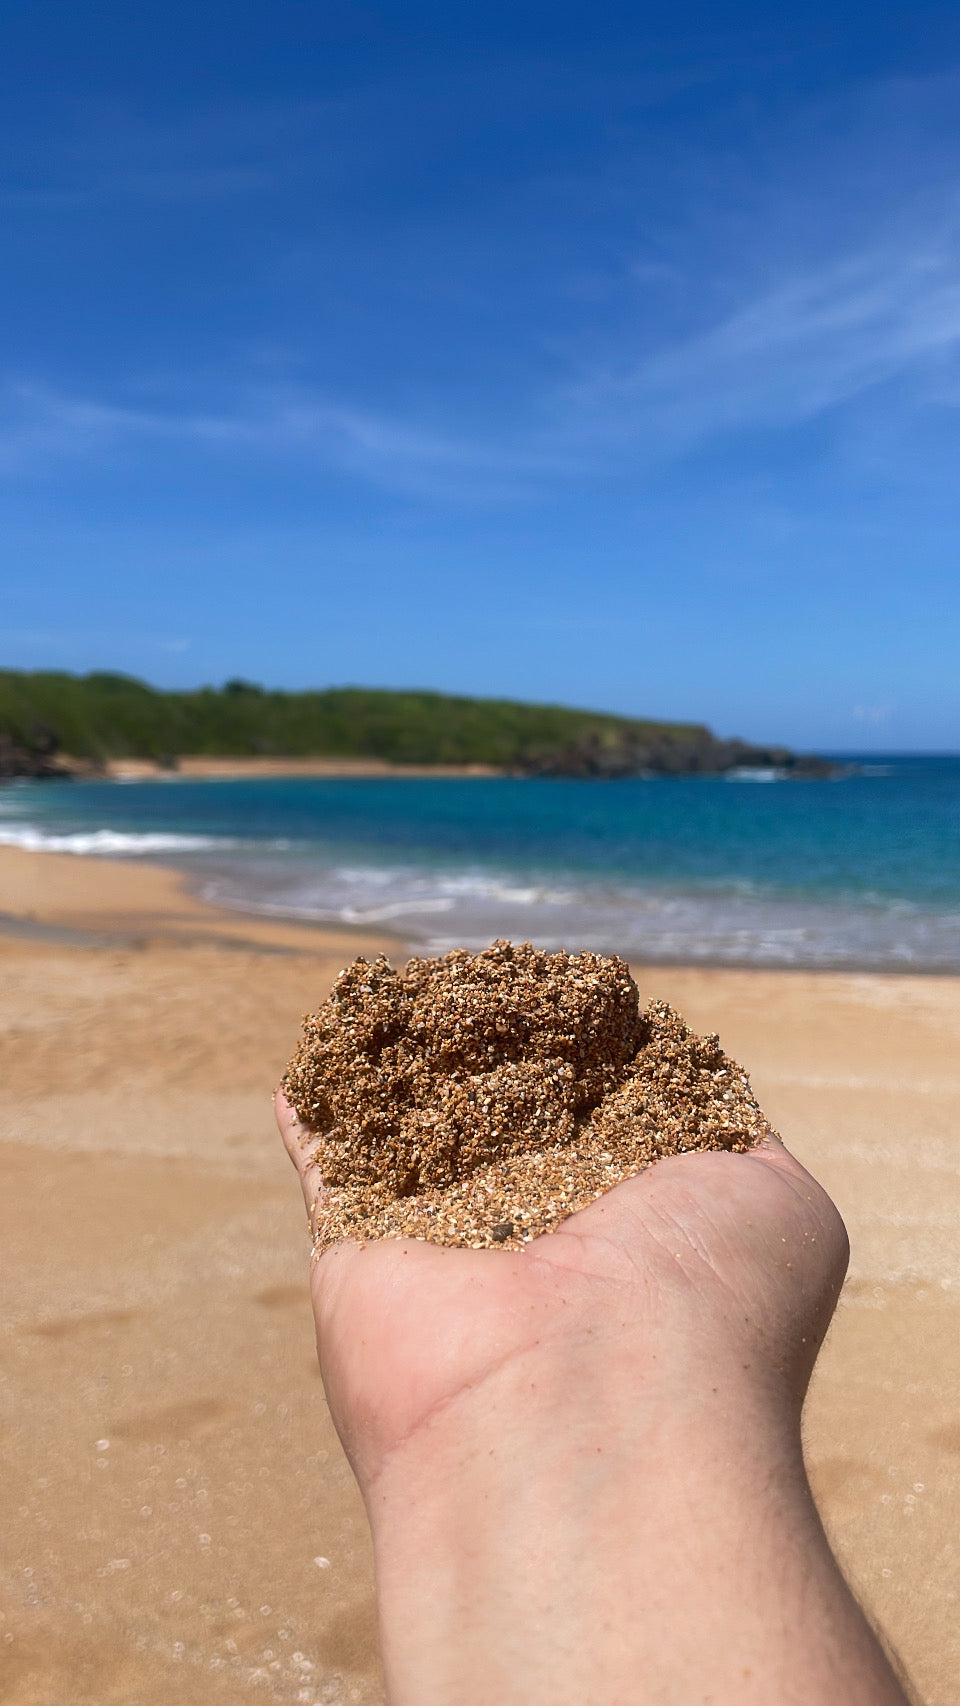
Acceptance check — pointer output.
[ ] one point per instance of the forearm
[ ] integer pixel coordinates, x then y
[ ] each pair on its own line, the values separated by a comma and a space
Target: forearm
550, 1547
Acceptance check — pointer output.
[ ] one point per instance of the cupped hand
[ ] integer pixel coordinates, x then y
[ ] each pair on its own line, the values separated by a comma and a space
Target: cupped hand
707, 1270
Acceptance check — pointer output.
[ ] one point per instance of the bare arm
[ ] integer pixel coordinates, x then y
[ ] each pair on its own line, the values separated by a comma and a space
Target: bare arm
581, 1461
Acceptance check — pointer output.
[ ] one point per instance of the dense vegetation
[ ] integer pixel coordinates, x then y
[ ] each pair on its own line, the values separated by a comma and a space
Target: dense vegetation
97, 717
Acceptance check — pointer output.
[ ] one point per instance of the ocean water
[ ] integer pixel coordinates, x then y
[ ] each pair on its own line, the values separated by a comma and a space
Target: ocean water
861, 871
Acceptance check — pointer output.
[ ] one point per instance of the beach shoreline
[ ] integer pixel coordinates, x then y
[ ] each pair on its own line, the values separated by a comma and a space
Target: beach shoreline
854, 876
155, 1241
203, 768
136, 900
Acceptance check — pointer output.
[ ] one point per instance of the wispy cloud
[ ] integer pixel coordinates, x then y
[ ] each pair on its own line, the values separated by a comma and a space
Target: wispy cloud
811, 344
808, 346
41, 429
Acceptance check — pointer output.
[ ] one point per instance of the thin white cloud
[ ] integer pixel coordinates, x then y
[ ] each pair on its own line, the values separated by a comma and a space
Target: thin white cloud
41, 429
808, 346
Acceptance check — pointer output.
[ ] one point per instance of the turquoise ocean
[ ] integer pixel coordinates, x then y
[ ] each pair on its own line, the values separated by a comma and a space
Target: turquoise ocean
861, 871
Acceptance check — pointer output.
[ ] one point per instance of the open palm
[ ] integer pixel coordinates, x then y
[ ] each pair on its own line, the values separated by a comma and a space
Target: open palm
703, 1261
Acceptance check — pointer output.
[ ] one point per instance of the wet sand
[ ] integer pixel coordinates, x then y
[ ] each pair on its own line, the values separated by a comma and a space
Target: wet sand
180, 1524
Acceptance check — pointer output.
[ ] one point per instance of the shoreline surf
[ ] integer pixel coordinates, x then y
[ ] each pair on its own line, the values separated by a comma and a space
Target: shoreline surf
858, 875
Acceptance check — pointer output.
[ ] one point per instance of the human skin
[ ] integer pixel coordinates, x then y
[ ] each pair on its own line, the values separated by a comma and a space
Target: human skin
581, 1461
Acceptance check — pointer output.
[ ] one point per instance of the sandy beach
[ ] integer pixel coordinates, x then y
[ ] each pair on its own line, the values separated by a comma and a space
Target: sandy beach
180, 1523
206, 769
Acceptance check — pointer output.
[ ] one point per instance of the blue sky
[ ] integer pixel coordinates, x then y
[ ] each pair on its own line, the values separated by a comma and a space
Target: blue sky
593, 353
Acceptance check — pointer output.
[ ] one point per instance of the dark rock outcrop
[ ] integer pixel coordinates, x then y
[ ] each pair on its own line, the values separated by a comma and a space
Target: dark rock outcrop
627, 751
37, 760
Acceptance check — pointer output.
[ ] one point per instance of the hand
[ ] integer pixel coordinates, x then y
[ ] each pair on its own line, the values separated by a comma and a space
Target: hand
622, 1396
738, 1256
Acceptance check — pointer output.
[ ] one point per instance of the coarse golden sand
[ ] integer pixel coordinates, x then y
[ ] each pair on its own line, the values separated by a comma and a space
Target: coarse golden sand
480, 1099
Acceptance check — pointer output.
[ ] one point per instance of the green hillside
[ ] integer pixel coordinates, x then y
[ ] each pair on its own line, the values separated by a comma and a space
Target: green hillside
98, 717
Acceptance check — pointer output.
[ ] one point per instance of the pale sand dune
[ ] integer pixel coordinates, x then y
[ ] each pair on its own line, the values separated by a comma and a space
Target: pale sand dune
154, 1242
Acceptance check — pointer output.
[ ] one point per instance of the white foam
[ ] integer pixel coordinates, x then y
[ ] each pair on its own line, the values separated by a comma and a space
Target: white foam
734, 925
112, 843
378, 894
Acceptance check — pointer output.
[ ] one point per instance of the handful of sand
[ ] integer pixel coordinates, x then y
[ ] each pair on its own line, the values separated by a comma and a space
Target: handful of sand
480, 1099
